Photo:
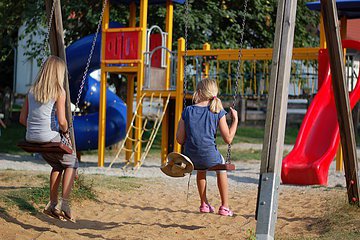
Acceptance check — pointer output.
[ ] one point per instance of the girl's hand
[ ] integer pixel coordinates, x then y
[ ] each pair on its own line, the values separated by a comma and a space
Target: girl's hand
66, 138
234, 114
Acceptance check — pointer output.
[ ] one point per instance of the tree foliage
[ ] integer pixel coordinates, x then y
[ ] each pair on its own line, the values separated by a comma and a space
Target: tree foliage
217, 22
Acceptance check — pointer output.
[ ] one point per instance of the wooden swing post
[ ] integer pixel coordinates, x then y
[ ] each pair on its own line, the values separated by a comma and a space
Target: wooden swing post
341, 96
57, 47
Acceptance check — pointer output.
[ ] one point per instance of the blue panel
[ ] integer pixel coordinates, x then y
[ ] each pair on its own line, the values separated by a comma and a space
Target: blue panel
347, 8
87, 126
150, 1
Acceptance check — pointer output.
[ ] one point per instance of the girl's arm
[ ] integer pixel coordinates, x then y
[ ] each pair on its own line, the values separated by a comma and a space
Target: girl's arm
24, 112
181, 134
226, 132
60, 112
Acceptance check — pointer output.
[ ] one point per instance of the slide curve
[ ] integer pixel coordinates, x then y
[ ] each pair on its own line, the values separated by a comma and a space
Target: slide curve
86, 127
318, 138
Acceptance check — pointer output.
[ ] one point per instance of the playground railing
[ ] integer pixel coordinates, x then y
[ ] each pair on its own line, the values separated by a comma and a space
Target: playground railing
255, 70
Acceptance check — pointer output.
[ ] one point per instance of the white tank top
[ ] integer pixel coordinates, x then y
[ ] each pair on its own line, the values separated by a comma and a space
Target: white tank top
41, 125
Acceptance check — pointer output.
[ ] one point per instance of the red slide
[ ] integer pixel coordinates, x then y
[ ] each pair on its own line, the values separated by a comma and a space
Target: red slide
318, 138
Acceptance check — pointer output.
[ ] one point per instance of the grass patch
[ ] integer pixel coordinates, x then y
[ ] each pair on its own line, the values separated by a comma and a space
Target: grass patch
28, 199
255, 134
243, 155
341, 223
10, 137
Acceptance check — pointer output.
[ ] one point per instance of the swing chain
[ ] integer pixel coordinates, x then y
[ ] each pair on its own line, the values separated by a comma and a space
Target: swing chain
47, 36
88, 61
187, 9
242, 30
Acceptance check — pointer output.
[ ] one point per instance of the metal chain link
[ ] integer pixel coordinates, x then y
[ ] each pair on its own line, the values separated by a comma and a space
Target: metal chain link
187, 9
89, 59
47, 36
242, 29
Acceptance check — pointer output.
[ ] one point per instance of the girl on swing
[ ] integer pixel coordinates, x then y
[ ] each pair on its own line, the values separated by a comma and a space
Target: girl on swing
197, 130
46, 97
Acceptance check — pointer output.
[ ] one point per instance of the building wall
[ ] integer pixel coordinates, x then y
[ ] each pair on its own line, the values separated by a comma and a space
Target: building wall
26, 69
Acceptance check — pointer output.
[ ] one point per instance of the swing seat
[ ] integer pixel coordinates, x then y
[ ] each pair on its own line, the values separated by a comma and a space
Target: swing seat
226, 166
53, 147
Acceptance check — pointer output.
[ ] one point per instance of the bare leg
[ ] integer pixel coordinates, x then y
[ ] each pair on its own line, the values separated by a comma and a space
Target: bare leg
222, 182
55, 178
201, 184
68, 181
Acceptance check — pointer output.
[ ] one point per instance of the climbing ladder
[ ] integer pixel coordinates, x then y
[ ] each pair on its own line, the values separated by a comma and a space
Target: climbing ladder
149, 116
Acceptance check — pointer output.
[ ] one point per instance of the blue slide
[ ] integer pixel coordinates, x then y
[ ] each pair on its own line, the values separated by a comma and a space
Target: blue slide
87, 126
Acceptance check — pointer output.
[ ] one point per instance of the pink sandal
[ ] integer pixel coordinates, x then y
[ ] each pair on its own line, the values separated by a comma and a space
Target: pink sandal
225, 211
206, 208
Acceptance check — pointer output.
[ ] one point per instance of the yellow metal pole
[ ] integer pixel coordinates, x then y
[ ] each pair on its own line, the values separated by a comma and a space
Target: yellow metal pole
132, 20
339, 159
255, 80
322, 32
102, 107
165, 121
169, 30
206, 47
179, 90
164, 135
140, 74
228, 83
130, 87
129, 114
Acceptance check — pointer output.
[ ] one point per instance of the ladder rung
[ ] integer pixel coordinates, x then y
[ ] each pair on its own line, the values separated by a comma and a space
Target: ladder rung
140, 116
128, 150
135, 140
131, 139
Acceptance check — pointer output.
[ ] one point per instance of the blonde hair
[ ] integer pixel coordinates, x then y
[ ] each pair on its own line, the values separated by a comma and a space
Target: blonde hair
207, 90
50, 80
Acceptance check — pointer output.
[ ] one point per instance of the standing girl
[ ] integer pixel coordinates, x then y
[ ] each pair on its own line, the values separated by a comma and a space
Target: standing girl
197, 130
45, 98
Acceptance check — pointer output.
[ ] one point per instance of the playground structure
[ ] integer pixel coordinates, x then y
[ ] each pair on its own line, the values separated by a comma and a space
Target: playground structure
277, 103
138, 53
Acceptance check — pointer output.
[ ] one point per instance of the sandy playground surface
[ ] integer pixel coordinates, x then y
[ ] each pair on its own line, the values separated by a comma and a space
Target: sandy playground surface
157, 207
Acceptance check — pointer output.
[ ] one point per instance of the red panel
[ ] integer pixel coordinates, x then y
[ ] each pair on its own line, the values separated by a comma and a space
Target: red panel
155, 41
323, 62
353, 29
113, 46
130, 45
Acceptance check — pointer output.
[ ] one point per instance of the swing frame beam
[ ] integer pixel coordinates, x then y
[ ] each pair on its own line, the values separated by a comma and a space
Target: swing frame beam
268, 191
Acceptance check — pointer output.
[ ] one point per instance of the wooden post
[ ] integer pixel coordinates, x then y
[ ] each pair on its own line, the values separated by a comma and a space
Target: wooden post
341, 96
272, 153
57, 47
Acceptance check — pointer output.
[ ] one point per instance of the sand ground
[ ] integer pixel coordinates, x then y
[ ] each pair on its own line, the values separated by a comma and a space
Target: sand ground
159, 209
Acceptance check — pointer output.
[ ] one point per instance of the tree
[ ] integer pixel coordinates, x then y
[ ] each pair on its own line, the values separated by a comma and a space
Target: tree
213, 21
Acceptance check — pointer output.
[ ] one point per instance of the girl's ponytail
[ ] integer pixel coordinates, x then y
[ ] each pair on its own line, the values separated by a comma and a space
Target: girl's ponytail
215, 105
207, 90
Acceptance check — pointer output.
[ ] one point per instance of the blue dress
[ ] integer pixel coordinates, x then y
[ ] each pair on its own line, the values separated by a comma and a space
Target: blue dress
200, 127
